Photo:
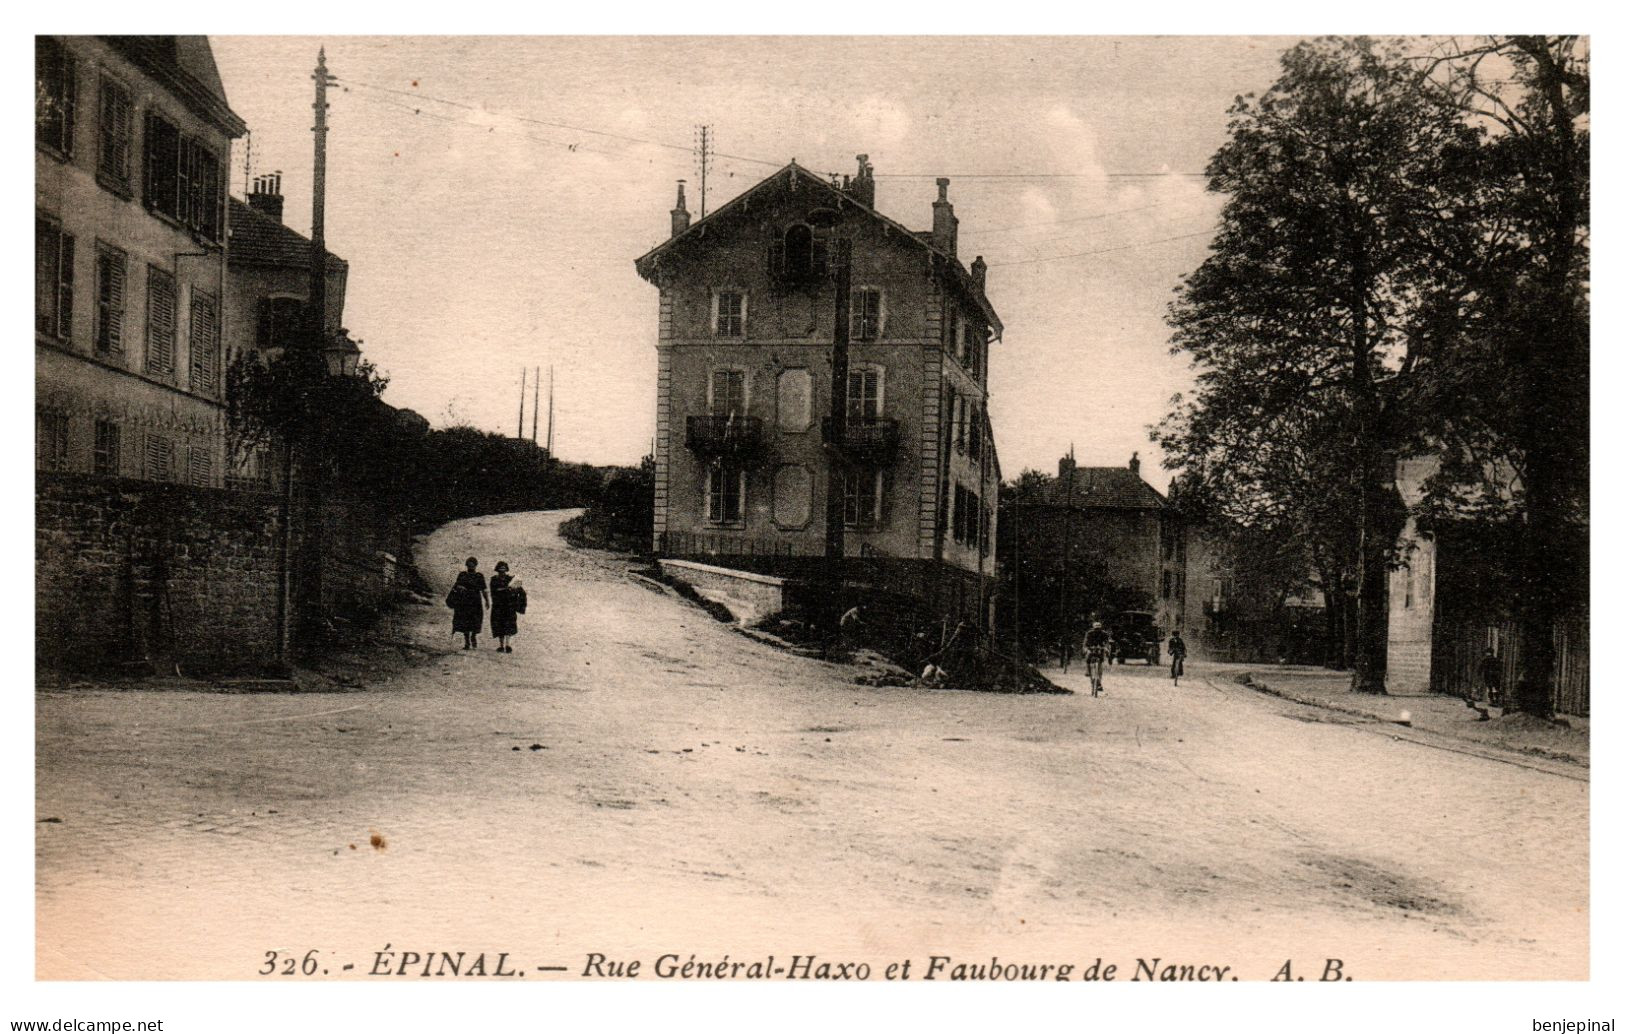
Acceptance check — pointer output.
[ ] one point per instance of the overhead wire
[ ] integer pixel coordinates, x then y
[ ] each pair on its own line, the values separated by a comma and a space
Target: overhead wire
1101, 251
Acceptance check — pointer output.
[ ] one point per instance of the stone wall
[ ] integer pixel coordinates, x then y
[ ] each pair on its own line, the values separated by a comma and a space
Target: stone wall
161, 575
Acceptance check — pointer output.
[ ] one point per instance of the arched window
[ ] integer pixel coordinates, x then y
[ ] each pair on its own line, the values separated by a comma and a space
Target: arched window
804, 253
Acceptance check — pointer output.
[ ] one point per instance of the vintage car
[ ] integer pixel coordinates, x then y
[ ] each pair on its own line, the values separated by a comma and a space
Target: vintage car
1135, 635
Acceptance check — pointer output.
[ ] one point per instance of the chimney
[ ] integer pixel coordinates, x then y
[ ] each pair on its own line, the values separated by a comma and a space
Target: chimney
978, 273
1134, 464
944, 227
266, 197
679, 215
862, 188
1068, 465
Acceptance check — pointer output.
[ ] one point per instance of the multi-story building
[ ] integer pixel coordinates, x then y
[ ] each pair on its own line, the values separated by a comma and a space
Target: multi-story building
1103, 530
132, 145
743, 461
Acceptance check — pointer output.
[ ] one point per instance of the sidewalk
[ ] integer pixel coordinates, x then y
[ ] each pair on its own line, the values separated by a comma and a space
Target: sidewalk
1440, 715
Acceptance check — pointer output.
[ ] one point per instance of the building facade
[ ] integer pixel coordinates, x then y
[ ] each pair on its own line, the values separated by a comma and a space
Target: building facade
1105, 532
132, 145
743, 460
267, 287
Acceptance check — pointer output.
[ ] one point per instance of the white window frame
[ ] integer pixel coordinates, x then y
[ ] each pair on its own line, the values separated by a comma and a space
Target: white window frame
724, 470
852, 314
716, 313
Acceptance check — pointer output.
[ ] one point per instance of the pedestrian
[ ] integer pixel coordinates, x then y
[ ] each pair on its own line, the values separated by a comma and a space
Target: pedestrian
1176, 655
1489, 673
468, 599
507, 602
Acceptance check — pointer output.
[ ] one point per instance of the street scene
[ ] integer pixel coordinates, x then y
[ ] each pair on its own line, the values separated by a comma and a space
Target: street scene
744, 508
640, 777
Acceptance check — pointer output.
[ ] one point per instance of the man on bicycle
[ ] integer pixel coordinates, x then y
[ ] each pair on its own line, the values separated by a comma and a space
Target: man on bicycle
1096, 644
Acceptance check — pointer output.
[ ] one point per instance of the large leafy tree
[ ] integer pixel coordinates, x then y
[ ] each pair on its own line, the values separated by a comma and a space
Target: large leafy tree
1511, 412
1324, 304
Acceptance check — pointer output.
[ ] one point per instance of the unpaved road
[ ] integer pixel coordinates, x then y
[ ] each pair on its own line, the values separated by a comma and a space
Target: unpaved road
636, 779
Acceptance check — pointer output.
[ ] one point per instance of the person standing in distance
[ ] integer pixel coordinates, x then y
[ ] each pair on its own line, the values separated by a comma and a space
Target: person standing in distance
468, 600
1176, 655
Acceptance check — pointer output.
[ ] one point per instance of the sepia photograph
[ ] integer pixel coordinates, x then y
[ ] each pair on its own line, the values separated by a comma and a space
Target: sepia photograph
837, 509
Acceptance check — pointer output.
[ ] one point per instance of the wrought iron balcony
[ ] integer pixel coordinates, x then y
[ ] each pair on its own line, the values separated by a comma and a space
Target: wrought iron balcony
872, 440
733, 436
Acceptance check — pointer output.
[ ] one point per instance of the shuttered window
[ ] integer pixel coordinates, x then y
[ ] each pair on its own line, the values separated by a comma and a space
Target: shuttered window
117, 127
205, 342
56, 89
53, 279
110, 275
51, 440
160, 458
109, 448
280, 320
183, 178
160, 322
199, 467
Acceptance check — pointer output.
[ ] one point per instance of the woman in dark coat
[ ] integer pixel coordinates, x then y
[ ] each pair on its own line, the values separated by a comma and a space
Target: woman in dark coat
504, 607
468, 600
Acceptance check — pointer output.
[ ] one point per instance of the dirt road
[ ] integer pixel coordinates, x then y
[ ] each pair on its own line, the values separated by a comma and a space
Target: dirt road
637, 779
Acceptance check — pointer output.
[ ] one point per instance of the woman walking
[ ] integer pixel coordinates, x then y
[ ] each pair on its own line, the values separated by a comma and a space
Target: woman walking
507, 603
467, 601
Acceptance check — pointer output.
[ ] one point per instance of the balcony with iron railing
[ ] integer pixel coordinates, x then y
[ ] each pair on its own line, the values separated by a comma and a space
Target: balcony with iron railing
866, 439
729, 437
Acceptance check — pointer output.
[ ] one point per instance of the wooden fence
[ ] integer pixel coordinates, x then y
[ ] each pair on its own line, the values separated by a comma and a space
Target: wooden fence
1459, 647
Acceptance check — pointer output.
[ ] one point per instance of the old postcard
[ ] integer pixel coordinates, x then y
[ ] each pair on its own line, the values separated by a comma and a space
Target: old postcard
976, 510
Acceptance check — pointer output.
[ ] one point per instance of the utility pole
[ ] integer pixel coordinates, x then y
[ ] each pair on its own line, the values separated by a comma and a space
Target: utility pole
1066, 564
549, 410
520, 434
835, 502
703, 150
318, 205
535, 405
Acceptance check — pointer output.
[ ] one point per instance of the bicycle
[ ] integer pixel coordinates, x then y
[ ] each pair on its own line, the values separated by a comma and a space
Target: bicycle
1095, 664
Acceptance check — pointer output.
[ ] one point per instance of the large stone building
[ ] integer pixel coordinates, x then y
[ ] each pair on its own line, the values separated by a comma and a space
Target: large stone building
746, 331
132, 145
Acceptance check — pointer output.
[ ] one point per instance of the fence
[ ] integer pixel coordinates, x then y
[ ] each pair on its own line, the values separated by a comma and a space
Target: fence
1458, 650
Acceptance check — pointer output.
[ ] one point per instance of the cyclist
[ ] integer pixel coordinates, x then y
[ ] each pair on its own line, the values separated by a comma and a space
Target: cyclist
1097, 644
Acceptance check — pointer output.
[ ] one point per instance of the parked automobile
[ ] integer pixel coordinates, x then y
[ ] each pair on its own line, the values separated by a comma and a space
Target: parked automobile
1135, 635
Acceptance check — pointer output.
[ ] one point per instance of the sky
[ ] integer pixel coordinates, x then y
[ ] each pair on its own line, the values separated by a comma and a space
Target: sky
491, 193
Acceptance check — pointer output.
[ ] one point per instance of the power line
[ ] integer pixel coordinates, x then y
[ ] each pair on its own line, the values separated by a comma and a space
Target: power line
1030, 175
1064, 222
1100, 251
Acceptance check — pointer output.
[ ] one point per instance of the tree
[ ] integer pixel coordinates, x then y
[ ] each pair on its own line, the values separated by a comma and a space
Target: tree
1513, 415
1315, 317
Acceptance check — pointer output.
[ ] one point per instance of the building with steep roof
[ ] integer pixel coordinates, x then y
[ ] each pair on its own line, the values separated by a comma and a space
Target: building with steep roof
745, 341
132, 146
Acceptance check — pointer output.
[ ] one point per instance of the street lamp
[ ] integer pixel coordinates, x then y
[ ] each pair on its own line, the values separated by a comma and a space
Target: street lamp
342, 355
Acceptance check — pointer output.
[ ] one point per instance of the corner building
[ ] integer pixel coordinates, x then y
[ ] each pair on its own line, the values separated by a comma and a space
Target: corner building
743, 439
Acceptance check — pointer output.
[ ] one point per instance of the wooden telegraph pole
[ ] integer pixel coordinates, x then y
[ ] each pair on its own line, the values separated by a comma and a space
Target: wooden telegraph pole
835, 501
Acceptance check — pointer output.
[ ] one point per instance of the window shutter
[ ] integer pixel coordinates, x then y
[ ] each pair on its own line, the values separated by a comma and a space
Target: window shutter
64, 296
45, 266
70, 99
200, 467
159, 454
160, 322
110, 301
205, 341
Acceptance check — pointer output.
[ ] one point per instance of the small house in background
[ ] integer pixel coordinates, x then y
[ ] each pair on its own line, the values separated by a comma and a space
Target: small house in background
1450, 628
